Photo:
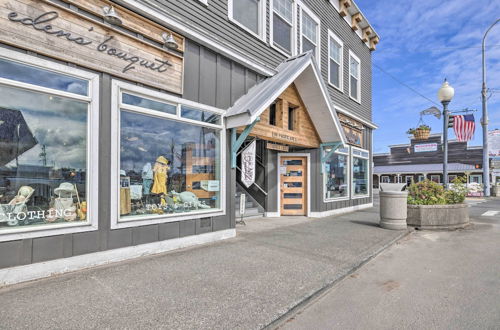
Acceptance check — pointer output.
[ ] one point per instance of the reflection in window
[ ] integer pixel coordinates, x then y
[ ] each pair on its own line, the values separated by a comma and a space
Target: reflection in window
43, 158
360, 175
283, 24
336, 181
200, 115
247, 12
40, 77
309, 33
149, 104
167, 166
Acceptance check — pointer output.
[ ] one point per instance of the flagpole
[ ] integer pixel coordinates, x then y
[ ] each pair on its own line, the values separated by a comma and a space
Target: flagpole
484, 121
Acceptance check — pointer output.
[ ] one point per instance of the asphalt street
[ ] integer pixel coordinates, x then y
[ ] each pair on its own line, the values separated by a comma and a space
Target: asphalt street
429, 280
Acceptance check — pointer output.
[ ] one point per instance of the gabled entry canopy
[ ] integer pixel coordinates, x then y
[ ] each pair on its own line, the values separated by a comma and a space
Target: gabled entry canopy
304, 73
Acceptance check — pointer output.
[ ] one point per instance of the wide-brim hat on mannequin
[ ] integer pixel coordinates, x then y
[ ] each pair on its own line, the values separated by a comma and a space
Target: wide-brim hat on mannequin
162, 160
65, 188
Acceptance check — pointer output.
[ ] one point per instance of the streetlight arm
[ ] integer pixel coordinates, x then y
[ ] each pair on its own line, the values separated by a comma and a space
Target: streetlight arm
484, 51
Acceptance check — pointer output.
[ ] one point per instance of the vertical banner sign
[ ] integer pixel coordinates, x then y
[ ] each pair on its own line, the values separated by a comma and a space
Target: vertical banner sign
248, 165
494, 143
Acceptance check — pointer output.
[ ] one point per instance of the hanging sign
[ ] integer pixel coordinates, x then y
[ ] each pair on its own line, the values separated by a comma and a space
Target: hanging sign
248, 164
426, 147
494, 143
278, 147
52, 30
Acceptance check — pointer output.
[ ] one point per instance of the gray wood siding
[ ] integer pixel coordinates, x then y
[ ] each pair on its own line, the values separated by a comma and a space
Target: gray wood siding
213, 21
212, 79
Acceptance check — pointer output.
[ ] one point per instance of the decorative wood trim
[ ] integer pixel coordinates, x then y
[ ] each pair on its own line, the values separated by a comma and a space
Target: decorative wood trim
344, 5
131, 20
367, 33
355, 20
373, 42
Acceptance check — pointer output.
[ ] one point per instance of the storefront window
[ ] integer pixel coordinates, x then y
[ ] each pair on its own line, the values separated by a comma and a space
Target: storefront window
169, 164
336, 177
43, 148
360, 172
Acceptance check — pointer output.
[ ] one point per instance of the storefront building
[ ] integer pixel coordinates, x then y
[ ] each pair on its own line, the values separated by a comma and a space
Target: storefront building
127, 127
423, 160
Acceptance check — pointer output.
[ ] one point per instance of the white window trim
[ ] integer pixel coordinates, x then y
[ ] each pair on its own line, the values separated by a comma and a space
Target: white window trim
438, 177
315, 18
261, 24
368, 178
382, 179
92, 171
333, 36
118, 87
421, 176
308, 211
293, 51
343, 198
358, 99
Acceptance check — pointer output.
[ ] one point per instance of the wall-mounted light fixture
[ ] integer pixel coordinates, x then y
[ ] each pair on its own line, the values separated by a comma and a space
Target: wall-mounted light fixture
111, 16
169, 41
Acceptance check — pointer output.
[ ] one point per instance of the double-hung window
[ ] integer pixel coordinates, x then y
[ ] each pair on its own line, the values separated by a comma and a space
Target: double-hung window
310, 33
335, 61
249, 14
167, 158
354, 77
360, 172
283, 25
48, 147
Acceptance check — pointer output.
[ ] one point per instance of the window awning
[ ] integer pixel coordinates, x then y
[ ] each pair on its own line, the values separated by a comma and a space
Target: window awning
303, 71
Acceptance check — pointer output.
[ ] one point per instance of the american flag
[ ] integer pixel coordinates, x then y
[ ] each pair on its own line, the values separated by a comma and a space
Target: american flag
464, 127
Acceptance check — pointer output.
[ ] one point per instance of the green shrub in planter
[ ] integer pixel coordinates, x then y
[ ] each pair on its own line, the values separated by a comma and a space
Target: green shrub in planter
431, 193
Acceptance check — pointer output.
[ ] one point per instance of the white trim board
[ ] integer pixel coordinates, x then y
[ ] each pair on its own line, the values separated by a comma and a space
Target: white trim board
341, 211
9, 276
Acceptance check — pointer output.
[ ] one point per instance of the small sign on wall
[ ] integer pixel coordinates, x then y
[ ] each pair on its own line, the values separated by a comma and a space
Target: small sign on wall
426, 147
248, 164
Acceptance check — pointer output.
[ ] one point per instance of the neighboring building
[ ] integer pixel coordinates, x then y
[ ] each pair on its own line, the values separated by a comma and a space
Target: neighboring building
139, 115
423, 159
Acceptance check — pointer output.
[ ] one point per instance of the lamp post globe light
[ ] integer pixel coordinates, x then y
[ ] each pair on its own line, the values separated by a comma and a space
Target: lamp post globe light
445, 94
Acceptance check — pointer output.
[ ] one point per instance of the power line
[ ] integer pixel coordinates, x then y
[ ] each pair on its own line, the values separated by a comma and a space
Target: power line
405, 85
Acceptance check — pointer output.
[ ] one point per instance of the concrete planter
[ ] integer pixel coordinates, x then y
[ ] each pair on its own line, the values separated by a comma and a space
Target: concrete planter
495, 191
438, 216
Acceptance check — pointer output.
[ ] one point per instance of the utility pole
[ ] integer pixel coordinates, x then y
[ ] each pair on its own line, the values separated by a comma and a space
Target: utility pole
484, 121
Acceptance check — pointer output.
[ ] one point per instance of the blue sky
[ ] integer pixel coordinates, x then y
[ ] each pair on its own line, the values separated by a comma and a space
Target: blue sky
423, 42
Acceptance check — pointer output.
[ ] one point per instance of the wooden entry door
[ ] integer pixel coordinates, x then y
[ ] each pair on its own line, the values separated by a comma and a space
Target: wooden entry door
293, 185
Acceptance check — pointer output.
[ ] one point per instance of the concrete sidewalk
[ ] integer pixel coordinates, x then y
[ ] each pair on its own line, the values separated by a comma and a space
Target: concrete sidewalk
247, 282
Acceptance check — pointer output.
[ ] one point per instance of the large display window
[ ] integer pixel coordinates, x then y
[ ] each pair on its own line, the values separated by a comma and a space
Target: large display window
47, 133
336, 174
360, 172
168, 158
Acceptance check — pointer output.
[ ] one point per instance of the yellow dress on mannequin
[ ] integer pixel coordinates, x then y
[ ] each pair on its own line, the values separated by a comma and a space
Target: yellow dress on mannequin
160, 176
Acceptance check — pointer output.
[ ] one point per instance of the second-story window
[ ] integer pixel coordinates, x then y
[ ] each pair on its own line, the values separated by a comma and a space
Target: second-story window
310, 31
335, 61
247, 14
283, 24
354, 77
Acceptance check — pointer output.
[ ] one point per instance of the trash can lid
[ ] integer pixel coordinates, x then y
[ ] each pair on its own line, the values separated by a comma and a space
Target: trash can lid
392, 186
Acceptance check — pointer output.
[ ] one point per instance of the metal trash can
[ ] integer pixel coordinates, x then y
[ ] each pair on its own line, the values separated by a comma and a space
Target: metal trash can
393, 202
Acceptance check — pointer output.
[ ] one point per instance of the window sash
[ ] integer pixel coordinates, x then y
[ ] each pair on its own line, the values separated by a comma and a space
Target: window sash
309, 27
243, 18
278, 10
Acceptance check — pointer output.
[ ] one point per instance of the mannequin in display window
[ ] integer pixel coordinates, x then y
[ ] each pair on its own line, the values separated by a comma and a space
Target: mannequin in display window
160, 170
147, 179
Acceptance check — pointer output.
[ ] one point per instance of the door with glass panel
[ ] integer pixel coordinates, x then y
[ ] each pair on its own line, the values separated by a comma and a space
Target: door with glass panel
293, 185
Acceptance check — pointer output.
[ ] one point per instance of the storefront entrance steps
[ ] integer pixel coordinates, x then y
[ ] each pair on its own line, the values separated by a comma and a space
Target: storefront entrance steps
248, 282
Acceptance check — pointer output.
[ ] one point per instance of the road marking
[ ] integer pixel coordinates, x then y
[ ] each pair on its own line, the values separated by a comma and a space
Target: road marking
490, 213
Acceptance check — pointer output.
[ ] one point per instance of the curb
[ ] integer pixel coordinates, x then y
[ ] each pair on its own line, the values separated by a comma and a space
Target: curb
293, 310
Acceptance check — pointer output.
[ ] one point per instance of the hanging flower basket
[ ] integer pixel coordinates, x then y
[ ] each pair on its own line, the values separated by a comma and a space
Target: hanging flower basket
420, 133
